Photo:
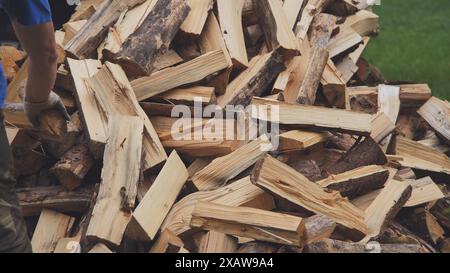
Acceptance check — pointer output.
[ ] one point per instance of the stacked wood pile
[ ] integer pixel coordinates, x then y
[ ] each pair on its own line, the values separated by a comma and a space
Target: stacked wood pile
362, 163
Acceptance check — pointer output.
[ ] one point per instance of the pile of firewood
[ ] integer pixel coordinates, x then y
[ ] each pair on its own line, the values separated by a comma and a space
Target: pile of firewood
361, 166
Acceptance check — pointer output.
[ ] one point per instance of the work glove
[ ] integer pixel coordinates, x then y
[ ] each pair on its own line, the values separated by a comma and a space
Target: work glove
54, 102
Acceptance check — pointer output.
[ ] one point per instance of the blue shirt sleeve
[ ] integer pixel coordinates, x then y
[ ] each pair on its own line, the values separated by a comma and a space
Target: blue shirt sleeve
29, 13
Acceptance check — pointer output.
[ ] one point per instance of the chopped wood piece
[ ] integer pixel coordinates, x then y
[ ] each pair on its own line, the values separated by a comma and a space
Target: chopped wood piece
308, 168
85, 43
333, 85
168, 59
275, 25
322, 28
127, 24
188, 96
120, 176
250, 223
418, 156
357, 182
405, 174
343, 41
167, 242
216, 242
253, 81
292, 10
365, 153
100, 249
154, 207
389, 104
386, 206
423, 191
300, 140
211, 40
51, 227
318, 227
312, 116
312, 8
72, 28
437, 113
173, 77
423, 223
90, 112
335, 246
223, 169
115, 95
74, 131
34, 200
152, 38
285, 182
195, 21
230, 19
239, 193
441, 210
73, 167
414, 95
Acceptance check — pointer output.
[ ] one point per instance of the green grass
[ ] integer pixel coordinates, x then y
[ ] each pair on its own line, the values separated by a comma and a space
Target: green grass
414, 43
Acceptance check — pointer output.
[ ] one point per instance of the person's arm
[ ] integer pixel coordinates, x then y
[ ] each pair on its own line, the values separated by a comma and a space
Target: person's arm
39, 43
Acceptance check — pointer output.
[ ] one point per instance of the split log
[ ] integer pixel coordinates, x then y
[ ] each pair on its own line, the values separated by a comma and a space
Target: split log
168, 59
115, 96
389, 104
318, 117
195, 21
230, 19
249, 223
386, 206
364, 22
300, 140
347, 66
285, 182
437, 113
240, 193
225, 168
423, 191
51, 227
217, 242
167, 242
422, 223
72, 28
441, 210
318, 227
73, 167
211, 39
277, 31
85, 43
322, 28
90, 112
358, 181
120, 176
27, 155
312, 8
253, 81
152, 38
418, 156
333, 85
335, 246
173, 77
127, 24
34, 200
365, 153
188, 96
344, 41
292, 10
157, 202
